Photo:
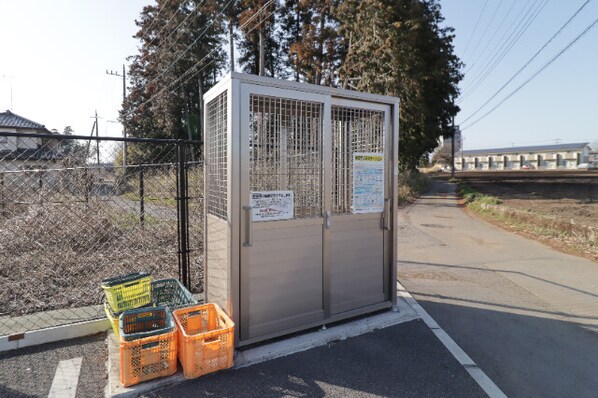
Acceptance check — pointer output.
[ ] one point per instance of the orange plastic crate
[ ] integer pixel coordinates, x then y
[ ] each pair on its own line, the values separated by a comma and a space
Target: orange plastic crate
148, 358
206, 339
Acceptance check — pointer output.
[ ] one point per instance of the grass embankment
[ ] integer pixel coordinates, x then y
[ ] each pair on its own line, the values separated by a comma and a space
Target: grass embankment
561, 234
411, 185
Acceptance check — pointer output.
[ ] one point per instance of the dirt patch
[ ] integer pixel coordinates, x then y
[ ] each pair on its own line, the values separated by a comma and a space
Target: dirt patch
560, 213
575, 201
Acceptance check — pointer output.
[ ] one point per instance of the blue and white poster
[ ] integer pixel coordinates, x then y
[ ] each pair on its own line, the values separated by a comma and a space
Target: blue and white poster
368, 182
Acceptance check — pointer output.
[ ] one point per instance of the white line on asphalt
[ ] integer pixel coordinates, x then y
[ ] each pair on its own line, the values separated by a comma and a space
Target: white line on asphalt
470, 366
66, 379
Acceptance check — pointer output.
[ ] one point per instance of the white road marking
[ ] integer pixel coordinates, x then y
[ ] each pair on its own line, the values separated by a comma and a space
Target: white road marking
470, 366
66, 379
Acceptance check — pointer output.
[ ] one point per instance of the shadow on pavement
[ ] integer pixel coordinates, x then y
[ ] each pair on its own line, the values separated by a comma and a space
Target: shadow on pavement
404, 360
526, 356
6, 392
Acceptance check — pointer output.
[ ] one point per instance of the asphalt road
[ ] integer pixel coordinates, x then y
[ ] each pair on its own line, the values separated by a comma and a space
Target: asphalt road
406, 360
526, 314
29, 372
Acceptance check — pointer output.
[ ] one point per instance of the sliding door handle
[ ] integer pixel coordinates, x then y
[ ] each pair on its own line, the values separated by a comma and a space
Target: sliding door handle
387, 215
248, 226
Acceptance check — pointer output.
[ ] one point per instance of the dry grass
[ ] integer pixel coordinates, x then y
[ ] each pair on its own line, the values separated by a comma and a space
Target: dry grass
411, 185
55, 256
562, 234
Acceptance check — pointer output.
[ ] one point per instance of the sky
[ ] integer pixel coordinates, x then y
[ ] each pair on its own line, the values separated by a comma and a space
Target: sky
558, 105
55, 55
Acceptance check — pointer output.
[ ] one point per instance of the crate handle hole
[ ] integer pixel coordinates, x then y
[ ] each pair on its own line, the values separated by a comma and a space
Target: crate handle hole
149, 345
195, 313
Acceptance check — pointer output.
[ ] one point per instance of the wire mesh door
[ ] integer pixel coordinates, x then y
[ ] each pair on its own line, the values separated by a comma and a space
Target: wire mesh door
357, 236
281, 264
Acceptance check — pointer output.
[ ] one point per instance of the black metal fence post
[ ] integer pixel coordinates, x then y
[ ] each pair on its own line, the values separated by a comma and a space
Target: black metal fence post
2, 195
141, 197
183, 215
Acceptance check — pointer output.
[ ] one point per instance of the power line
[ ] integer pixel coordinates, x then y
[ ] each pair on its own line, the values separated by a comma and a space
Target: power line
571, 43
481, 38
197, 9
529, 61
475, 28
506, 47
491, 66
190, 71
493, 35
505, 37
513, 42
155, 18
194, 42
193, 74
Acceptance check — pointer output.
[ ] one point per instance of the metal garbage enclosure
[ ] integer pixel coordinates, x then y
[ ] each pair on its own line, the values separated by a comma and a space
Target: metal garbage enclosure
301, 184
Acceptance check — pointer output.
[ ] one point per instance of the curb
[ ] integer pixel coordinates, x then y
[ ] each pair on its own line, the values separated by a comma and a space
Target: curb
470, 366
50, 335
264, 352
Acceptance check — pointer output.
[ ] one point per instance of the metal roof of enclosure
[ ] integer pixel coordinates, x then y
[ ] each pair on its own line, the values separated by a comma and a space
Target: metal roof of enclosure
300, 202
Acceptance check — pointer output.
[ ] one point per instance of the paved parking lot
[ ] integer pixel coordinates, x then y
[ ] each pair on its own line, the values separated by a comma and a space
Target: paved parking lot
30, 372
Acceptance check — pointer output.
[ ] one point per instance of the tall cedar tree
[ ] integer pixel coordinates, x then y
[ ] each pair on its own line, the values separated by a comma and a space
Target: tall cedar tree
249, 44
309, 39
397, 47
180, 56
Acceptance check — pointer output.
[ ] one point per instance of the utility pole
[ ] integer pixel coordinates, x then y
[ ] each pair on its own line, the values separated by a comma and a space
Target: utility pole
262, 63
97, 139
453, 149
124, 76
231, 42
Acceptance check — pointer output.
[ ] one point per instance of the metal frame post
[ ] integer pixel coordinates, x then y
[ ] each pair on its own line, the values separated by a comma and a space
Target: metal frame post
183, 214
141, 197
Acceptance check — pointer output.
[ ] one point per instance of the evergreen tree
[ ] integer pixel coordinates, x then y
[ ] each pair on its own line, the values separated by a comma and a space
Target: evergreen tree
309, 40
259, 19
180, 57
397, 47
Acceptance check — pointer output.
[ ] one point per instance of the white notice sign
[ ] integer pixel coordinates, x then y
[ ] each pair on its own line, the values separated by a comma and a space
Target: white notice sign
272, 205
368, 182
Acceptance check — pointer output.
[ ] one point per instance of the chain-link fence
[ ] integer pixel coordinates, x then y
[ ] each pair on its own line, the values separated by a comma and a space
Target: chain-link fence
74, 211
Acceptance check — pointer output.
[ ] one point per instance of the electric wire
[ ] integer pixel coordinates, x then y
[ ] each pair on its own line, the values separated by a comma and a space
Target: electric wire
193, 74
513, 42
546, 65
515, 36
504, 39
503, 51
189, 73
154, 19
493, 35
488, 24
475, 28
529, 61
194, 42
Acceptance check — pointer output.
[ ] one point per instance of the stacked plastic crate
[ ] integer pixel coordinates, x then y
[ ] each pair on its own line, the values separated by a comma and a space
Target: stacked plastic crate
151, 337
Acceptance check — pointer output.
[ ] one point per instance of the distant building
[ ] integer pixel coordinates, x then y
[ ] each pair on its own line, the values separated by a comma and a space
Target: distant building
21, 153
593, 160
445, 143
543, 157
